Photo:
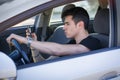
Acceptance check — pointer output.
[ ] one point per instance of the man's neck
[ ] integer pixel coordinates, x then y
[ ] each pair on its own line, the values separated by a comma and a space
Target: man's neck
81, 36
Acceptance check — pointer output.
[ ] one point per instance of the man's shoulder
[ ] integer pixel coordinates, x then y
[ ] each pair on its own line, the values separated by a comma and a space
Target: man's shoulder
91, 43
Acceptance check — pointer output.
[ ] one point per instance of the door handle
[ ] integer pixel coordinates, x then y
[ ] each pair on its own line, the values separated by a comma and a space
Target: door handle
110, 75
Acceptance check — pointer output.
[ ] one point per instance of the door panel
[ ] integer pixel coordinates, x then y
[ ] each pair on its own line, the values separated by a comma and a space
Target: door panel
88, 67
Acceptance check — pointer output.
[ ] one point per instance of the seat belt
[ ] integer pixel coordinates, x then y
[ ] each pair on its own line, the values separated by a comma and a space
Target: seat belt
36, 24
44, 28
43, 36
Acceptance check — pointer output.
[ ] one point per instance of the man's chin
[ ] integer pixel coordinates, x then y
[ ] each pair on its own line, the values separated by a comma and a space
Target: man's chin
67, 36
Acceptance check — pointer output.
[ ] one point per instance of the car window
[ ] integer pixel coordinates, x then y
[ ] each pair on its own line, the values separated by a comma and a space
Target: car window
29, 21
90, 6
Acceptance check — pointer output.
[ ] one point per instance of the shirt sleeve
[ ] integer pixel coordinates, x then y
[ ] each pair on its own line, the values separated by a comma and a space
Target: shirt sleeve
91, 43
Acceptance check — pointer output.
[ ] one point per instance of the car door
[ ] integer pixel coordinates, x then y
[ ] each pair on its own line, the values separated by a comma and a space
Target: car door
98, 65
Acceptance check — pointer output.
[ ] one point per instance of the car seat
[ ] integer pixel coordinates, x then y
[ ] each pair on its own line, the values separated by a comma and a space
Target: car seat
101, 27
58, 36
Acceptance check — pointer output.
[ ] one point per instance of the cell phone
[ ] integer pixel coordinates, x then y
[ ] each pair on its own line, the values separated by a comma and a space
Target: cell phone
29, 36
29, 31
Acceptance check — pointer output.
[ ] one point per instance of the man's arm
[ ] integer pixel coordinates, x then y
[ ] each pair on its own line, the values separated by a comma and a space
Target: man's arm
58, 49
50, 47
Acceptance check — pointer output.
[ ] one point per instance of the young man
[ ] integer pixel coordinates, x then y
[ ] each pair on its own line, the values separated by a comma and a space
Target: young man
76, 22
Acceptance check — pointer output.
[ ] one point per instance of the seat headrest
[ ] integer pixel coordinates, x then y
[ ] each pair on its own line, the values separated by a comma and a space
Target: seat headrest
59, 36
101, 22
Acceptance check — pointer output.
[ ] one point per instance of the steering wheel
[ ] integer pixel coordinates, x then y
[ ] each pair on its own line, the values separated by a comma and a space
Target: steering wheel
20, 50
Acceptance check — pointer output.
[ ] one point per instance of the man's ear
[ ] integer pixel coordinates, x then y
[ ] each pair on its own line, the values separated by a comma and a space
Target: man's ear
80, 24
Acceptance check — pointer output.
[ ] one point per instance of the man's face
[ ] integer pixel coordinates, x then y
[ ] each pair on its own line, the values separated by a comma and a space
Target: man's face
70, 28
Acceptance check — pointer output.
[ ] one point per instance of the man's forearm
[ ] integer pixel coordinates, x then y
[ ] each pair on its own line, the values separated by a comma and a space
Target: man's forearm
46, 47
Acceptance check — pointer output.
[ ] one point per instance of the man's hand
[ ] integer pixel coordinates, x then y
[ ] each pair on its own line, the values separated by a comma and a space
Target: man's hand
20, 39
32, 35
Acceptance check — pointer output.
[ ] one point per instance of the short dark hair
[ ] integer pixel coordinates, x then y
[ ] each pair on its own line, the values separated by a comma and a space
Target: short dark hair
78, 14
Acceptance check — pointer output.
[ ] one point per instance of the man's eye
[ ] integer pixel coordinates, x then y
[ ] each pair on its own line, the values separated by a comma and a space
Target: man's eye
67, 23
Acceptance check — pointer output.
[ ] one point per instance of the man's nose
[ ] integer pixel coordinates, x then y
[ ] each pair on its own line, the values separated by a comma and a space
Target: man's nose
64, 27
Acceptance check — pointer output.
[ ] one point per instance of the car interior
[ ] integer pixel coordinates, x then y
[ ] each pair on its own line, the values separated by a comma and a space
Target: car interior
53, 31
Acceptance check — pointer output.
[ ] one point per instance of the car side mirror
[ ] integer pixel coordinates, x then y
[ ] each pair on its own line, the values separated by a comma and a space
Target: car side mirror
7, 67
